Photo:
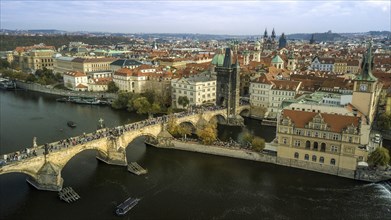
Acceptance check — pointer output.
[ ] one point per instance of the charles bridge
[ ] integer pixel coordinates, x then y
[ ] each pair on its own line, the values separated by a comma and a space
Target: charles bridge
43, 164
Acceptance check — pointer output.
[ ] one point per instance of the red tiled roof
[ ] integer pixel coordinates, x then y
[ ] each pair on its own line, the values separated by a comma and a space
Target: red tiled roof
124, 72
75, 74
336, 123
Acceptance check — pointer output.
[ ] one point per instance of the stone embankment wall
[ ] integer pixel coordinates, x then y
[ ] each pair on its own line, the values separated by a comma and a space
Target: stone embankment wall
254, 156
49, 90
223, 151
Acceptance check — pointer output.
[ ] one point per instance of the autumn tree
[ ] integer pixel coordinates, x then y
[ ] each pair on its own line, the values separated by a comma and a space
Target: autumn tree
258, 144
208, 132
380, 156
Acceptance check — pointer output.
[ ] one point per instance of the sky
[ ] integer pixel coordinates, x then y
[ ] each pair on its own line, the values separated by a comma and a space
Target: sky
204, 17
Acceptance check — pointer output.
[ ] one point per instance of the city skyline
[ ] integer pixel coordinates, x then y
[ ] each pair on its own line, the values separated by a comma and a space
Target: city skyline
215, 17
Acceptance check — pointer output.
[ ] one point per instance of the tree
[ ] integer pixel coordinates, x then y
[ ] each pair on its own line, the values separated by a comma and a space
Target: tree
184, 130
172, 127
183, 101
4, 64
208, 133
380, 156
122, 101
258, 144
247, 138
31, 78
143, 106
384, 121
111, 87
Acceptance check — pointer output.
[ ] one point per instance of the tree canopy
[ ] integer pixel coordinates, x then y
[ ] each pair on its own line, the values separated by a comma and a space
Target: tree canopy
208, 132
111, 87
183, 101
380, 156
384, 121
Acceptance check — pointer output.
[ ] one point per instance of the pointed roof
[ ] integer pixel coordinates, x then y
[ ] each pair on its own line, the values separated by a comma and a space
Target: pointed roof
366, 67
228, 58
273, 34
277, 59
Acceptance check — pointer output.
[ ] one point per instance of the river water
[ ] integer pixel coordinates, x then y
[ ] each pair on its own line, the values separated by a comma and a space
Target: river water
179, 185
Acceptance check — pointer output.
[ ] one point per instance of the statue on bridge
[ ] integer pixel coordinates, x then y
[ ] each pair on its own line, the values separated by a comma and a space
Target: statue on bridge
35, 142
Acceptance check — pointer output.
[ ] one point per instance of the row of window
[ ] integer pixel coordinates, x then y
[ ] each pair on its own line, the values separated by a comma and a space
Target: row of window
191, 87
315, 145
314, 158
318, 134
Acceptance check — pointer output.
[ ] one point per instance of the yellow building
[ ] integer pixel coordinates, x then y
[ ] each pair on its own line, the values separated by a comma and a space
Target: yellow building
34, 57
37, 59
340, 66
366, 90
388, 102
87, 65
330, 142
322, 142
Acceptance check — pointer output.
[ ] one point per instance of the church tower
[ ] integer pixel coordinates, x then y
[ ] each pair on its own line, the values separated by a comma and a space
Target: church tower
292, 62
366, 88
282, 41
228, 86
265, 36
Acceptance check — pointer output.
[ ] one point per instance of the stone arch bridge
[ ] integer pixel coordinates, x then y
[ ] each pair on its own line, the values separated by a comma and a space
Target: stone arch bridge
44, 170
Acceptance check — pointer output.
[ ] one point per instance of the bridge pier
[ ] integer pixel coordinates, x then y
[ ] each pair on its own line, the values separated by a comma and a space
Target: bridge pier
235, 120
47, 178
116, 154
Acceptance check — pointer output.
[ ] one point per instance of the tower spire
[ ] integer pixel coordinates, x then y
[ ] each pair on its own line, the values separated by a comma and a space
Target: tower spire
366, 66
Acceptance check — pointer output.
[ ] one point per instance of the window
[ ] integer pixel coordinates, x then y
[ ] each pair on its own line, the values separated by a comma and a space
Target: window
308, 133
297, 143
296, 155
332, 161
314, 158
321, 159
335, 137
284, 140
334, 148
315, 146
307, 144
298, 132
323, 147
306, 157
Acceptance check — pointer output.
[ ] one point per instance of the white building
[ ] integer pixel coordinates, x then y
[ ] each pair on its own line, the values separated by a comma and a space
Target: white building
323, 64
133, 80
199, 89
76, 80
271, 93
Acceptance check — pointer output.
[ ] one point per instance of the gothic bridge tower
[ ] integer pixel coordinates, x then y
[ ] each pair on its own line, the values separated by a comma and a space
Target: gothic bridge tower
228, 86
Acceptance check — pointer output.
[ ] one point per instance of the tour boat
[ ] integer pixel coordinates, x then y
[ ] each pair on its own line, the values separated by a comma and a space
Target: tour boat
127, 205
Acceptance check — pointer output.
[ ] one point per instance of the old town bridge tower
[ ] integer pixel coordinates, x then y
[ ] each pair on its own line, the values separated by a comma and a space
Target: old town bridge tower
228, 85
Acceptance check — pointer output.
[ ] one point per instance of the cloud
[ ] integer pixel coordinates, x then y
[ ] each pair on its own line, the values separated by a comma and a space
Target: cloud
233, 17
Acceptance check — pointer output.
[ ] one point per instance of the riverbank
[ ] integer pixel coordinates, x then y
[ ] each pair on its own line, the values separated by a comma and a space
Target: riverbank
50, 90
366, 175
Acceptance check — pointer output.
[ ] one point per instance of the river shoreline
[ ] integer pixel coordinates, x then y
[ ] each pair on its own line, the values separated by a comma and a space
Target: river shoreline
359, 174
50, 90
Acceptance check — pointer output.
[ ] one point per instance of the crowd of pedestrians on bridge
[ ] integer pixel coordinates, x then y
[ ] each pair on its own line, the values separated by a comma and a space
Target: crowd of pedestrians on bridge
102, 133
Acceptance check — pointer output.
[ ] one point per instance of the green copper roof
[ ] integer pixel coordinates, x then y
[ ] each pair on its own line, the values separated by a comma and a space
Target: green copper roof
277, 59
366, 67
218, 60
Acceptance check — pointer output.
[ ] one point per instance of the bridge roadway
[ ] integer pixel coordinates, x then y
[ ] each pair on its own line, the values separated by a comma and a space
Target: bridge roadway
43, 164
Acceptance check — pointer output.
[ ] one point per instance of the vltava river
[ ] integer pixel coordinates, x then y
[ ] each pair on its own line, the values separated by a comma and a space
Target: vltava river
179, 185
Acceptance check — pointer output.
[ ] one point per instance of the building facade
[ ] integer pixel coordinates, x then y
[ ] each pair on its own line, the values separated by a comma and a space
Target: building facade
199, 89
322, 142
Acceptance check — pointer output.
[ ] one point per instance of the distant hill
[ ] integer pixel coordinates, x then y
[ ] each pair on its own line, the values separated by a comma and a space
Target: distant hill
46, 31
319, 37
